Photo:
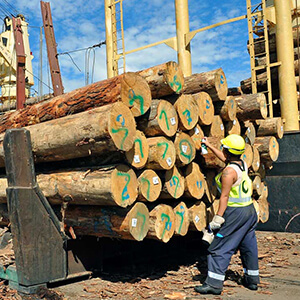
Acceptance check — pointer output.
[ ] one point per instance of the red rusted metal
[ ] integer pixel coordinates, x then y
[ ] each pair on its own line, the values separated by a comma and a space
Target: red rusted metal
51, 49
21, 59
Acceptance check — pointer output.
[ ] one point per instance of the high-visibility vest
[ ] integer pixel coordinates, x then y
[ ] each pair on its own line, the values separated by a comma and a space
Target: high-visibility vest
239, 195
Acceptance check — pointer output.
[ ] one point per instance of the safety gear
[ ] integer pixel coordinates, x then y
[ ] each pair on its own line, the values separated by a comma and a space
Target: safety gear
208, 236
239, 195
234, 143
249, 285
216, 222
207, 289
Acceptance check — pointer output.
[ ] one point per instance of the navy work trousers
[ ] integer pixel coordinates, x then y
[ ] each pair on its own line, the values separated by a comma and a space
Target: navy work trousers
237, 233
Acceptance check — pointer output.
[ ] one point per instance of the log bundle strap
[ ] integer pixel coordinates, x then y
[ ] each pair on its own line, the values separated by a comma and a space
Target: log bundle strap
164, 79
97, 131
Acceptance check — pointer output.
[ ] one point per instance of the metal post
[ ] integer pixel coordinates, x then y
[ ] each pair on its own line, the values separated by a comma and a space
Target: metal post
182, 28
109, 39
285, 54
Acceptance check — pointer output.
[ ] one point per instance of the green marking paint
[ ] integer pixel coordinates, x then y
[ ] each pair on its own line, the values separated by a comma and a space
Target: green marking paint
143, 224
148, 188
232, 103
176, 83
166, 145
166, 118
141, 148
188, 156
133, 97
175, 182
188, 116
207, 104
181, 214
125, 194
167, 224
125, 136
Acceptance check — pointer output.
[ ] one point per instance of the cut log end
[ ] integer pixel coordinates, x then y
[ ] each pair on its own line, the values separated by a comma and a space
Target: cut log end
205, 108
247, 156
167, 118
149, 185
174, 183
263, 209
197, 135
173, 76
182, 220
137, 156
198, 215
135, 93
122, 126
185, 149
221, 84
124, 185
194, 181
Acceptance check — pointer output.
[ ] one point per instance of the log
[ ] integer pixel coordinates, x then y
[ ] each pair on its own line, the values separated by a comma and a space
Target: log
194, 181
247, 156
235, 91
211, 190
233, 127
182, 220
174, 184
213, 82
160, 119
101, 130
256, 159
248, 132
162, 153
212, 210
205, 108
268, 148
198, 216
129, 88
185, 149
161, 223
149, 186
257, 187
187, 110
210, 160
111, 185
137, 156
270, 127
164, 79
251, 107
216, 129
226, 110
129, 224
256, 206
196, 135
263, 209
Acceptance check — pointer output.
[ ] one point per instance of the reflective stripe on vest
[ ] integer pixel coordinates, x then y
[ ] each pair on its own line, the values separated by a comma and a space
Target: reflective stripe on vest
239, 195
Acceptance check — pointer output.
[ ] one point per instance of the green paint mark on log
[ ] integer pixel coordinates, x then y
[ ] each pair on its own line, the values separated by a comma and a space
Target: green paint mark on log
167, 224
133, 97
125, 135
181, 214
166, 118
125, 195
148, 188
166, 149
141, 146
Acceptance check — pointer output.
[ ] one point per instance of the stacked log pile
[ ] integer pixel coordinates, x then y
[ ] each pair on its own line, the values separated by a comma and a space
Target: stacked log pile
122, 157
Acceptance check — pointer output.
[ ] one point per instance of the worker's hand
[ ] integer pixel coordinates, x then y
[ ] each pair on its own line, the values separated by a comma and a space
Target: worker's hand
205, 142
216, 222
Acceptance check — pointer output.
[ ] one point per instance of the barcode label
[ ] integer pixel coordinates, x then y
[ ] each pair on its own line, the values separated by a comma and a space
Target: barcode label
133, 222
184, 148
169, 161
155, 180
173, 121
197, 219
136, 159
234, 122
197, 131
222, 127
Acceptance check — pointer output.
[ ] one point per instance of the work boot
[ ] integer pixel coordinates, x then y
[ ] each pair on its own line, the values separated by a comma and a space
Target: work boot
207, 289
248, 285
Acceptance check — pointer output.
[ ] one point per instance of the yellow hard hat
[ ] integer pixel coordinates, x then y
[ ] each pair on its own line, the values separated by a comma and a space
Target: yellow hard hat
234, 143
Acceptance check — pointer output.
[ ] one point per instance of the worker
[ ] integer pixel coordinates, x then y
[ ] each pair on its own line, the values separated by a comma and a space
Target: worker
235, 221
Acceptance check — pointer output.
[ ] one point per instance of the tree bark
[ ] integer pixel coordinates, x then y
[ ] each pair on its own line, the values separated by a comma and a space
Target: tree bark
213, 82
268, 148
161, 223
111, 185
205, 108
102, 130
164, 79
273, 126
182, 220
131, 224
197, 135
251, 107
129, 88
161, 119
235, 91
198, 216
137, 156
174, 184
149, 186
162, 153
226, 110
194, 181
185, 149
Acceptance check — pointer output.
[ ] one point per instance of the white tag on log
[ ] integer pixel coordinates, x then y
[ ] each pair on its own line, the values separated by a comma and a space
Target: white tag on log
249, 129
173, 121
169, 161
222, 127
184, 148
136, 159
197, 219
257, 163
257, 186
133, 222
234, 122
155, 180
197, 131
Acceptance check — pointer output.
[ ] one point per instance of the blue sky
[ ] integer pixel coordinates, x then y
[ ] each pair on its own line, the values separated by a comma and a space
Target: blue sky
80, 24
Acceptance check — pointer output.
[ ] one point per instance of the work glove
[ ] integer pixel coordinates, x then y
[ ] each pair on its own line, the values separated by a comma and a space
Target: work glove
207, 236
216, 222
